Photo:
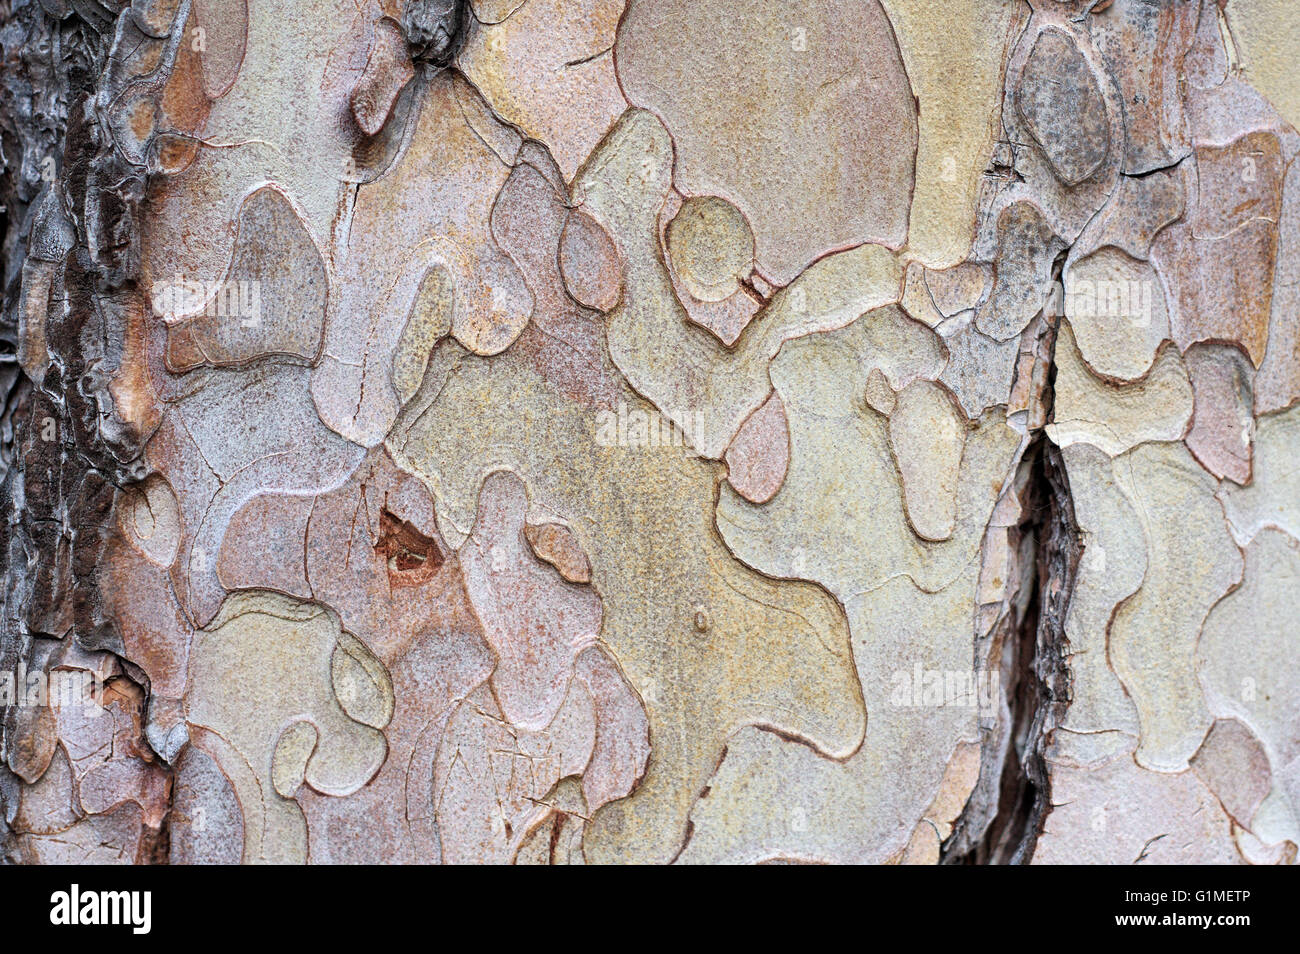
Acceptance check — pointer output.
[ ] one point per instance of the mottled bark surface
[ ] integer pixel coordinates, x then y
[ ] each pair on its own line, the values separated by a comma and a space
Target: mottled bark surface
562, 431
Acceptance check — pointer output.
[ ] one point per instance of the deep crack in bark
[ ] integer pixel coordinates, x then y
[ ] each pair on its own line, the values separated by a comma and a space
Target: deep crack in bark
1012, 799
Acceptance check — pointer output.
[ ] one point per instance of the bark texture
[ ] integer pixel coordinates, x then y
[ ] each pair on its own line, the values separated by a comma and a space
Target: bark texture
648, 431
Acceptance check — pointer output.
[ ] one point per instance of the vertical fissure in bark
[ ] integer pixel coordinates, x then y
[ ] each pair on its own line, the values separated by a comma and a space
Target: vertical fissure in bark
1012, 799
1033, 669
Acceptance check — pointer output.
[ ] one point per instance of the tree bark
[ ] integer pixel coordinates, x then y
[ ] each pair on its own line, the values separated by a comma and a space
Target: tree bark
589, 431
